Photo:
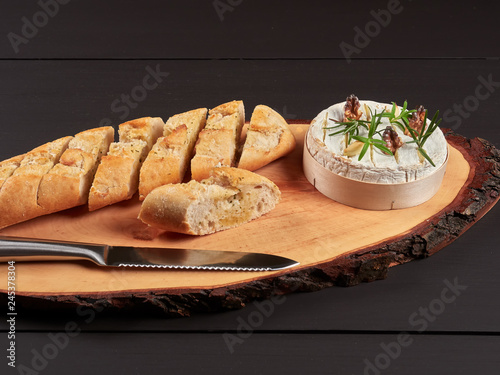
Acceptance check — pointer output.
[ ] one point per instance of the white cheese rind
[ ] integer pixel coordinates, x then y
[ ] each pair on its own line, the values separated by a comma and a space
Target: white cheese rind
375, 166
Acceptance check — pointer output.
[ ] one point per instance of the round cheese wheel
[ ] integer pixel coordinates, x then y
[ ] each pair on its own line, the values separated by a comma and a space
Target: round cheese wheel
375, 166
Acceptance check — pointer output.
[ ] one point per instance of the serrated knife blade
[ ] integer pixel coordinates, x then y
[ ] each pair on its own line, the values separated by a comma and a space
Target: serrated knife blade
26, 249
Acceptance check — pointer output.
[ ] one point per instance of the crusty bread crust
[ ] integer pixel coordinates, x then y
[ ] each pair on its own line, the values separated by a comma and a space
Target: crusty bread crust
7, 167
268, 138
228, 198
168, 161
218, 142
18, 200
166, 206
68, 183
18, 195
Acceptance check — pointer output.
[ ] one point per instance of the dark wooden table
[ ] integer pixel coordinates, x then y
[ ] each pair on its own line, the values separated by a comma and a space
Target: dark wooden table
66, 66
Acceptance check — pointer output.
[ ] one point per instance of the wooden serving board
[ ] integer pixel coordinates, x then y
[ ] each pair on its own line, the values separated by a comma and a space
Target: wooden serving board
335, 244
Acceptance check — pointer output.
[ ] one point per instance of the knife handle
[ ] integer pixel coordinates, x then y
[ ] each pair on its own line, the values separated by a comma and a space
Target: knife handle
26, 249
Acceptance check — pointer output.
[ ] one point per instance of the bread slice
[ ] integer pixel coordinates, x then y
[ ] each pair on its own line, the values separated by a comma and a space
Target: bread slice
18, 195
268, 138
117, 176
68, 183
7, 167
228, 198
218, 142
168, 161
147, 129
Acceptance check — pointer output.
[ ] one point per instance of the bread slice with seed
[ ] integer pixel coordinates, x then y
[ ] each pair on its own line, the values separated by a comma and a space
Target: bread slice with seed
268, 138
168, 161
68, 183
218, 142
228, 198
117, 176
18, 194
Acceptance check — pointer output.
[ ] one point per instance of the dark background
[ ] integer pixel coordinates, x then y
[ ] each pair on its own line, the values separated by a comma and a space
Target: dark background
75, 68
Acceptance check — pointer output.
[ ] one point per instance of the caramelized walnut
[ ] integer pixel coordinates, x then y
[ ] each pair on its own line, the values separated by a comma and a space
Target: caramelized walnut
392, 140
417, 120
351, 109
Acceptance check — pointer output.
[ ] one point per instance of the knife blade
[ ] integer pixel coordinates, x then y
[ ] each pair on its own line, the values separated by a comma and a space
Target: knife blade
27, 249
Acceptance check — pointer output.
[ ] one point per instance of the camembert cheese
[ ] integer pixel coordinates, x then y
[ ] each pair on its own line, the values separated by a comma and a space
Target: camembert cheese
405, 165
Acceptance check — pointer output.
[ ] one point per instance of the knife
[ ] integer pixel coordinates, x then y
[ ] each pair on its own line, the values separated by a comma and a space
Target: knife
26, 249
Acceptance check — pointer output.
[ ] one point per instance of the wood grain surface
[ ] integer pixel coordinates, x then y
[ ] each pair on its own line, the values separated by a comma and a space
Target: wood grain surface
228, 29
306, 226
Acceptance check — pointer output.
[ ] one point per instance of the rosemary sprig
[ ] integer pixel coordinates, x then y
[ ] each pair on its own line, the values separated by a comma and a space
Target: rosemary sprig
420, 138
350, 127
368, 141
378, 143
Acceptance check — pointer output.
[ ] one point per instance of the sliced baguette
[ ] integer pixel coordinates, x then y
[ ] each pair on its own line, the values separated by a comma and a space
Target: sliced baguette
18, 195
169, 159
68, 183
228, 198
268, 138
117, 176
218, 142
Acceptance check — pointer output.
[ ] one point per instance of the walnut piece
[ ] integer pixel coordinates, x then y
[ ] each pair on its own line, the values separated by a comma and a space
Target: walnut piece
417, 120
392, 140
351, 109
